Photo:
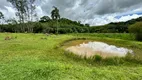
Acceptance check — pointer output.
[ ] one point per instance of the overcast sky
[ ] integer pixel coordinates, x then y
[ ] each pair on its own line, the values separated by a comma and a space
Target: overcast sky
94, 12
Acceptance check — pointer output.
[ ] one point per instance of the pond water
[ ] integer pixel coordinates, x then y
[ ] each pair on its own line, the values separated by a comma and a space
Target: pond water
99, 48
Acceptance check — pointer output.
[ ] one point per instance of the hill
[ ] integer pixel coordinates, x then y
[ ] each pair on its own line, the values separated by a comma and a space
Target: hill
61, 26
117, 27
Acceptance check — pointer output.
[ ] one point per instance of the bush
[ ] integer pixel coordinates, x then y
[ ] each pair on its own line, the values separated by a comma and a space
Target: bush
38, 28
139, 36
137, 30
98, 58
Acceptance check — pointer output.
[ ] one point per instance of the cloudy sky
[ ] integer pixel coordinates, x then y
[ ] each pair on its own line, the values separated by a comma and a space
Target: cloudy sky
94, 12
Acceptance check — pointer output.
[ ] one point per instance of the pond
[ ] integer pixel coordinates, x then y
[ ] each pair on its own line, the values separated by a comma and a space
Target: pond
92, 48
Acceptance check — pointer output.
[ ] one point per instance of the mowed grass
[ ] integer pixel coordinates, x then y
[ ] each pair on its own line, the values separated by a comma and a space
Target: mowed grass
41, 57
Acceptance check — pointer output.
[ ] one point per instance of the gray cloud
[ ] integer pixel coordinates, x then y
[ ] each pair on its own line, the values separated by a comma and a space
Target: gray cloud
3, 3
89, 8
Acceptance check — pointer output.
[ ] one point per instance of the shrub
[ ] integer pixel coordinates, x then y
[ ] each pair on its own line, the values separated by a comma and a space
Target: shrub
38, 28
113, 61
133, 59
137, 30
97, 58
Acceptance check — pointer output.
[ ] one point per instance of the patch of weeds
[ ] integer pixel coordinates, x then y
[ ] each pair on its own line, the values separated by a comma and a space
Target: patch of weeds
97, 58
133, 59
62, 44
43, 38
113, 61
73, 56
128, 59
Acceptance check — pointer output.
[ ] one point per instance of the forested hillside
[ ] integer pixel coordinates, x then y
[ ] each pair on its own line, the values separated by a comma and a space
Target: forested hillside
118, 27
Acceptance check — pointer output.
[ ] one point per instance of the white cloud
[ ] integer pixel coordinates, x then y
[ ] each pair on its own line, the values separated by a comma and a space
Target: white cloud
128, 17
111, 18
39, 11
8, 12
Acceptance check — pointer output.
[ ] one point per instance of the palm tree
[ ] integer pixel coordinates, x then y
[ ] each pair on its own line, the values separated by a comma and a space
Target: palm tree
55, 15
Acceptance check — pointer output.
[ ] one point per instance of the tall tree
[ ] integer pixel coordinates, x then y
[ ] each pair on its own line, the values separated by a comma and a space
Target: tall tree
20, 6
31, 10
31, 14
25, 9
1, 17
55, 13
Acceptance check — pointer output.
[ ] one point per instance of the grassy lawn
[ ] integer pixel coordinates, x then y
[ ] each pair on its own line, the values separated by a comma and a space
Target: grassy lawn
41, 57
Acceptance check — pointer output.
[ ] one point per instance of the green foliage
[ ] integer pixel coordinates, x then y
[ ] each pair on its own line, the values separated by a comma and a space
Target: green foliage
110, 28
25, 9
44, 19
50, 26
98, 58
20, 6
113, 61
1, 15
1, 18
118, 27
137, 29
124, 36
55, 13
87, 25
12, 21
38, 28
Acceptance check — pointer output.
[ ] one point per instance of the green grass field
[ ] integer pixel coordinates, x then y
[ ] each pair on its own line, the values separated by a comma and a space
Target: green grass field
41, 57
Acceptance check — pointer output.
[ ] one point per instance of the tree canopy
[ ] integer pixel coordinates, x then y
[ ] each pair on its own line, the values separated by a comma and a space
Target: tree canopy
55, 13
25, 9
44, 19
1, 16
137, 30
